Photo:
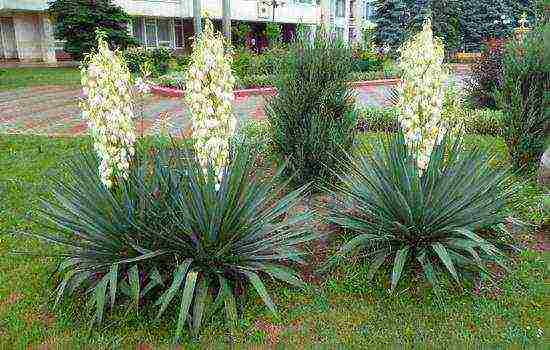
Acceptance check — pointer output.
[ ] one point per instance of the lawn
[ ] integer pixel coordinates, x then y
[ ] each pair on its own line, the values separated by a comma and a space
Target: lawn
11, 78
339, 309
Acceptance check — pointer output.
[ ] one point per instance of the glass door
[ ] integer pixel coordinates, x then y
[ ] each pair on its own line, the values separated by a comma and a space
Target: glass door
7, 38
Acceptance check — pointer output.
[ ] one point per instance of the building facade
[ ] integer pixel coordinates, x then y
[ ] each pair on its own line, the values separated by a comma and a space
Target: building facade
348, 17
26, 32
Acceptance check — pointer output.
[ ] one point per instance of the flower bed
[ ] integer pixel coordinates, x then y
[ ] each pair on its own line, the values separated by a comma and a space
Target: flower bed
268, 90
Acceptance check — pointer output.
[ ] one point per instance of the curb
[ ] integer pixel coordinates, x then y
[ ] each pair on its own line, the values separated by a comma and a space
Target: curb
243, 93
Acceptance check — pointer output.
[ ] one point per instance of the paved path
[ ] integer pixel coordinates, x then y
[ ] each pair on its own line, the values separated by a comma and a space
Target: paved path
53, 110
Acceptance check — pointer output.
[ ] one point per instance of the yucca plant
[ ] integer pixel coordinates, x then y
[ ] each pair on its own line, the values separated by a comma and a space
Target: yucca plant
400, 216
172, 234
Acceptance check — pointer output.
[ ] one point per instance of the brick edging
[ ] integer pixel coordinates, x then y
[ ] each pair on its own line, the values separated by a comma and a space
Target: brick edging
171, 92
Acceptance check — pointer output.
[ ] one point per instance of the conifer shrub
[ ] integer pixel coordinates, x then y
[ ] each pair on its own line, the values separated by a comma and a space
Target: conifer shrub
525, 100
313, 117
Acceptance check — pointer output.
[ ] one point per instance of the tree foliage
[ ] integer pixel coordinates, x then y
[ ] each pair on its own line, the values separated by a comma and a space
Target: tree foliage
391, 16
76, 22
464, 24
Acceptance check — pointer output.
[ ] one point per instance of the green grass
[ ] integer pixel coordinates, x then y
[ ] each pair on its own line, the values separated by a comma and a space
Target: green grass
342, 309
11, 78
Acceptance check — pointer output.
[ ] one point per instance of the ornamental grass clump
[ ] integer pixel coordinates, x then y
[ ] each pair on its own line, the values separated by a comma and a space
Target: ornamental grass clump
524, 98
209, 92
422, 91
313, 116
168, 236
108, 107
402, 217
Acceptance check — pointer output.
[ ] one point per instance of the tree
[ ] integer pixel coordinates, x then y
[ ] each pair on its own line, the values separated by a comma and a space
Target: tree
484, 19
419, 12
391, 19
446, 22
519, 7
76, 22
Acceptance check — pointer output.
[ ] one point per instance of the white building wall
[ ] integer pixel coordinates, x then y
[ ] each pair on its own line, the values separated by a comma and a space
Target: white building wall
242, 10
48, 40
34, 32
246, 10
28, 37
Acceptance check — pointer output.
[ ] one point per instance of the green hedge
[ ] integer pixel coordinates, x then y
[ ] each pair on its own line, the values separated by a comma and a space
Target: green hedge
474, 121
484, 122
161, 60
177, 79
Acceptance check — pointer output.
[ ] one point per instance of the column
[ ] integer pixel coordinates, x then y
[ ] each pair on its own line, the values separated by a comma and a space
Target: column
346, 20
48, 40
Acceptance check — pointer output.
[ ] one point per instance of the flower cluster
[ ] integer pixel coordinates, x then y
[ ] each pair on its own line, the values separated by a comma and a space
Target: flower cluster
422, 92
209, 92
108, 108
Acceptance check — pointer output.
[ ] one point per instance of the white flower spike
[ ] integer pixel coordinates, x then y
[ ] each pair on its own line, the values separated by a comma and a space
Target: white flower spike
209, 91
108, 108
422, 92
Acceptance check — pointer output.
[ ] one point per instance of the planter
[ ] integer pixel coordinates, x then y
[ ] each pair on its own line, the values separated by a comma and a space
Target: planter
266, 91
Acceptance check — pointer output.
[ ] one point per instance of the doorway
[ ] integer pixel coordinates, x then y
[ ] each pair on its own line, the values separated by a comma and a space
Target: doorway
8, 46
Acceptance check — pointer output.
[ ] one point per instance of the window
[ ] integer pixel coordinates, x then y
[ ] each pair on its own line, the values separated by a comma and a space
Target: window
164, 32
369, 11
137, 30
340, 8
179, 32
154, 32
151, 32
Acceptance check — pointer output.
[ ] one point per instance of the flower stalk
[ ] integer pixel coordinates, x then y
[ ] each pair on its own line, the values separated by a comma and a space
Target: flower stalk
422, 92
108, 108
209, 92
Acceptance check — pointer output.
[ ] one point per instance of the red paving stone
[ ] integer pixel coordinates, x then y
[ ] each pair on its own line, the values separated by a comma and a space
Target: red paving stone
53, 110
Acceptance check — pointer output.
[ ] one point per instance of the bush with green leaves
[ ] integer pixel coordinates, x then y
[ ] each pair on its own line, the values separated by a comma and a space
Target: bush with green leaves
170, 234
157, 60
76, 22
313, 116
273, 33
473, 121
375, 119
175, 80
398, 216
270, 60
367, 61
482, 121
248, 64
242, 58
255, 81
486, 76
524, 98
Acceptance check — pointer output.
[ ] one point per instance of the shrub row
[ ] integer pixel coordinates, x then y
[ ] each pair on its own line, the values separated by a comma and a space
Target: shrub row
176, 79
473, 121
158, 60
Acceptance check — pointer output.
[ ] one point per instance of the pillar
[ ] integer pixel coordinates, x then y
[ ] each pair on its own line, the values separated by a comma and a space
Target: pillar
48, 40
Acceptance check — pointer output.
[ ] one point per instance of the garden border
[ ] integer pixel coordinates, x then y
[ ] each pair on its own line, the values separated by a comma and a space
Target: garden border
243, 93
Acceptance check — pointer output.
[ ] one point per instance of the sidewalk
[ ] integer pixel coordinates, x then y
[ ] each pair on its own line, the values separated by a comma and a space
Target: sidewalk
53, 110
